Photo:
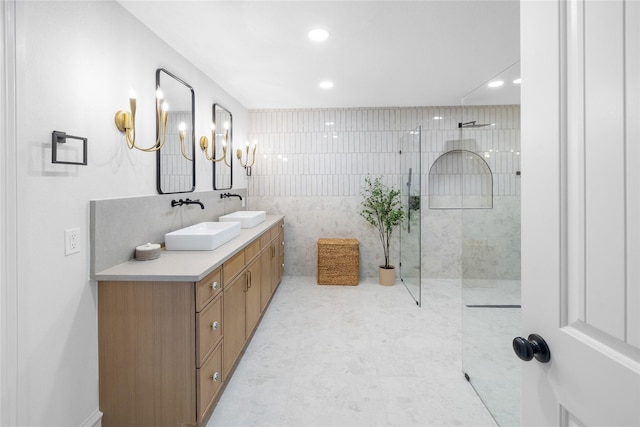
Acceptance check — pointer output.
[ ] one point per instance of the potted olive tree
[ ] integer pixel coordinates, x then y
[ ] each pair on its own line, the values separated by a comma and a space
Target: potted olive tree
381, 208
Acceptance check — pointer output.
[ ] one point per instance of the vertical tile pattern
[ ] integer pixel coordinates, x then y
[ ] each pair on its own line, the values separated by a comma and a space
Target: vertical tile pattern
312, 163
177, 172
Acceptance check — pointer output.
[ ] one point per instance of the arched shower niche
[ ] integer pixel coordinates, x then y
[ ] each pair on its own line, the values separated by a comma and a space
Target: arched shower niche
460, 179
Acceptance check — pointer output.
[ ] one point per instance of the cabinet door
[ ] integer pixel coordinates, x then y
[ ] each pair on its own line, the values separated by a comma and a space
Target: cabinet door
233, 321
147, 353
265, 286
277, 266
253, 308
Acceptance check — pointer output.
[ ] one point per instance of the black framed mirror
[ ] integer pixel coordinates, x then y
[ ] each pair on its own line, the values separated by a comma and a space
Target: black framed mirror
223, 171
176, 165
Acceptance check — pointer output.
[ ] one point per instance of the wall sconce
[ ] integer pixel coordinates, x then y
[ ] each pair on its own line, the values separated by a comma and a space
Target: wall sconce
246, 165
126, 122
182, 133
204, 145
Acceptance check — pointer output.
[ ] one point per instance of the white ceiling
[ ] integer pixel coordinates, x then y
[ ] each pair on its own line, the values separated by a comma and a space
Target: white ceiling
379, 53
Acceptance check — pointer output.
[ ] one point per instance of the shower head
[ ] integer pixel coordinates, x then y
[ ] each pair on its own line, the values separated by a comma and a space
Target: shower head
473, 124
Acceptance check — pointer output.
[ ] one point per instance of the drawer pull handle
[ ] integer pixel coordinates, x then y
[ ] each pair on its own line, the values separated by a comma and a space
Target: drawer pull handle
215, 286
282, 265
215, 376
215, 325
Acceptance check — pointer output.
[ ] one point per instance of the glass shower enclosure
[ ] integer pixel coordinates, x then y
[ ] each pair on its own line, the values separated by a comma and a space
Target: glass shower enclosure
490, 253
410, 231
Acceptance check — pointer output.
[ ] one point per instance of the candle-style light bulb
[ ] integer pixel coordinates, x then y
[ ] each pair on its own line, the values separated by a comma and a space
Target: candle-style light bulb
132, 94
182, 127
159, 94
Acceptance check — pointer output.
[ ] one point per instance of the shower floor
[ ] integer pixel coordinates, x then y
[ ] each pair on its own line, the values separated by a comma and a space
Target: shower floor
354, 356
491, 319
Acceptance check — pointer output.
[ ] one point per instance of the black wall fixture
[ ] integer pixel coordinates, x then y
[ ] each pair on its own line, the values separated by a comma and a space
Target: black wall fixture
58, 138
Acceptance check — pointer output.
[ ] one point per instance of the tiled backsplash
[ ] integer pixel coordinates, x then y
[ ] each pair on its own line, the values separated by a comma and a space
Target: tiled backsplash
312, 164
119, 225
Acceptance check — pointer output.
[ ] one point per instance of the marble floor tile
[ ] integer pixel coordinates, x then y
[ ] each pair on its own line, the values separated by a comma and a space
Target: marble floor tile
333, 356
489, 360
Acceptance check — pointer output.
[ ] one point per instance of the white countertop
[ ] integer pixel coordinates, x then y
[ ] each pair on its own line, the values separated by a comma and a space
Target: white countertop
181, 266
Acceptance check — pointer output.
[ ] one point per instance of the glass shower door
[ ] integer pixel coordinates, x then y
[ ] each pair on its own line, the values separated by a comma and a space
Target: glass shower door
491, 248
410, 180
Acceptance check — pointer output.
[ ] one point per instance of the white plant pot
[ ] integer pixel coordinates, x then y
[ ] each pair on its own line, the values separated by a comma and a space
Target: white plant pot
387, 276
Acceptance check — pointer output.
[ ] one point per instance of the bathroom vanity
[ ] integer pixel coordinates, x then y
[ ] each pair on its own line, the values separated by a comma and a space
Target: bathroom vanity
172, 330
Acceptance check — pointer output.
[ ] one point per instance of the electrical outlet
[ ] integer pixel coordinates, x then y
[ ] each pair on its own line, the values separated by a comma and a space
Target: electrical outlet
71, 241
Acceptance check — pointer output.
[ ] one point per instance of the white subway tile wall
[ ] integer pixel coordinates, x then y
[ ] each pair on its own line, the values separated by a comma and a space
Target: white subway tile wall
309, 157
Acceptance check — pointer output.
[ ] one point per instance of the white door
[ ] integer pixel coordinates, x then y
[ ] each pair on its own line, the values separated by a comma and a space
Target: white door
581, 210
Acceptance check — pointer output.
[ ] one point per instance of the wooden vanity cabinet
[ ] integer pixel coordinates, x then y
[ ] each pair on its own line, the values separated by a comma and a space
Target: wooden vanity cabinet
277, 266
166, 348
147, 353
265, 265
273, 262
253, 308
241, 285
234, 322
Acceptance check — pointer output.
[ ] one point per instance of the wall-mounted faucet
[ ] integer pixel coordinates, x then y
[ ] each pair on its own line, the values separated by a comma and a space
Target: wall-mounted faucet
181, 202
227, 195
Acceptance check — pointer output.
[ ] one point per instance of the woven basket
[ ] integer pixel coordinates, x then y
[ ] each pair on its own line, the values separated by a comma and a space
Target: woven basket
338, 262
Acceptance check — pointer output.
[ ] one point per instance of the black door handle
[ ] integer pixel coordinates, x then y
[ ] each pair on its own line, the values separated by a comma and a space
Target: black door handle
535, 346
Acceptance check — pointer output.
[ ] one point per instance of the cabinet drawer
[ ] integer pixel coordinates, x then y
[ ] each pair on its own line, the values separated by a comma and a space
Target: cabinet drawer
265, 240
209, 381
232, 267
251, 251
207, 288
209, 328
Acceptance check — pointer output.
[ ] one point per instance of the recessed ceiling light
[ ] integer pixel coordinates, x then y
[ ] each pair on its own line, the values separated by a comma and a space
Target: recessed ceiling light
326, 84
496, 83
318, 35
517, 81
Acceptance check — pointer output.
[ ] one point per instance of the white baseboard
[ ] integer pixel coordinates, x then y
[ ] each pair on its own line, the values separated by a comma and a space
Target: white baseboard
94, 420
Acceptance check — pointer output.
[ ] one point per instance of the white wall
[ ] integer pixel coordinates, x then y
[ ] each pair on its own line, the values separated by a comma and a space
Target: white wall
75, 64
8, 285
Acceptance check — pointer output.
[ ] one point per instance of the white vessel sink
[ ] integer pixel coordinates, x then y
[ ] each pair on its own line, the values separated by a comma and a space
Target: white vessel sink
247, 219
204, 236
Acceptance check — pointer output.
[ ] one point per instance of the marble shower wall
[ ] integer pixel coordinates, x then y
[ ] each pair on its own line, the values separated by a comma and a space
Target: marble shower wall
312, 164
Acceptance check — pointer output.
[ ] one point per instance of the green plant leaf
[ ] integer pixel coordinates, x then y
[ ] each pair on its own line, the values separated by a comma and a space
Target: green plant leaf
381, 207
